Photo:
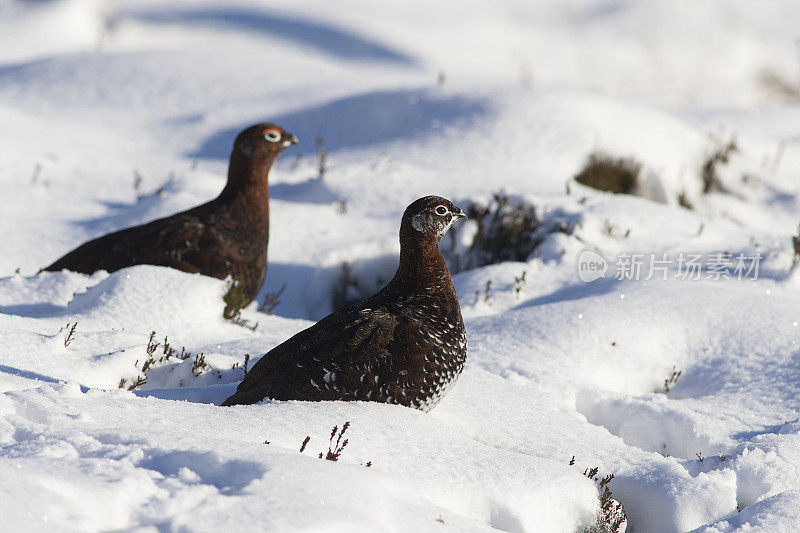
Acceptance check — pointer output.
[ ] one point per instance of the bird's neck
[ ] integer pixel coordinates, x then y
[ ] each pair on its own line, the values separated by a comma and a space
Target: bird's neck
421, 263
247, 186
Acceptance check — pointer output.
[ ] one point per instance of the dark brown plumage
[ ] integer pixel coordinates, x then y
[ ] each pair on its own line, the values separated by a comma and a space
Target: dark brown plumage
226, 236
405, 345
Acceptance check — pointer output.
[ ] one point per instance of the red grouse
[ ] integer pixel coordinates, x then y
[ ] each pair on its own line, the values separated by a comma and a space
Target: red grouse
226, 236
404, 345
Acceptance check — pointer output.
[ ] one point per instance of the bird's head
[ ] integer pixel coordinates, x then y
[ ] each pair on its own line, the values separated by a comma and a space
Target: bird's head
431, 216
263, 139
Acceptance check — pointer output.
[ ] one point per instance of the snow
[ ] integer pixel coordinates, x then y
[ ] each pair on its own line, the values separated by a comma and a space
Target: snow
116, 113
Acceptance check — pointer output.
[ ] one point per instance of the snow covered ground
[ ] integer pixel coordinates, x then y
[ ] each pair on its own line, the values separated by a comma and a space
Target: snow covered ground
113, 113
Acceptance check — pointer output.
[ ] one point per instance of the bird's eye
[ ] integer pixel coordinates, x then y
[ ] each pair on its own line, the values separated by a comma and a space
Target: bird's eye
272, 135
441, 210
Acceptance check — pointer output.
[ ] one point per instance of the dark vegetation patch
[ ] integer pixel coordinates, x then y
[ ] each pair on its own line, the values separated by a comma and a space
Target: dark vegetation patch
245, 365
322, 157
485, 295
199, 365
148, 193
604, 172
710, 169
69, 332
610, 230
520, 282
672, 379
271, 301
612, 517
235, 301
507, 230
336, 448
684, 202
796, 249
778, 86
156, 357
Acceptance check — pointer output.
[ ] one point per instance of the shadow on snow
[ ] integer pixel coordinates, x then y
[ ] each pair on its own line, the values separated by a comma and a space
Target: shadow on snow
323, 38
359, 121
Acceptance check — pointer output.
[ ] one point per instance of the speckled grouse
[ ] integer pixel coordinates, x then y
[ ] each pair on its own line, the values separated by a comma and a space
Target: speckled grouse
226, 236
404, 345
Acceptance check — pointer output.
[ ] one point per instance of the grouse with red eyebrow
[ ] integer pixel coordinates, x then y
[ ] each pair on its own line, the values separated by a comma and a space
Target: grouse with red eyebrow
404, 345
224, 237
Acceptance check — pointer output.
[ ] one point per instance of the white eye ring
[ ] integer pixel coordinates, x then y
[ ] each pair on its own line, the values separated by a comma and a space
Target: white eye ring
441, 210
272, 136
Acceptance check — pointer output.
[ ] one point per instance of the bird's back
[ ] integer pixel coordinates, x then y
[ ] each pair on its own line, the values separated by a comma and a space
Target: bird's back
166, 241
204, 239
391, 348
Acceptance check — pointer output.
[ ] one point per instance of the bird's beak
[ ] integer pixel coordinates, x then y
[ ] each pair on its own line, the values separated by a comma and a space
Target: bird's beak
459, 213
290, 140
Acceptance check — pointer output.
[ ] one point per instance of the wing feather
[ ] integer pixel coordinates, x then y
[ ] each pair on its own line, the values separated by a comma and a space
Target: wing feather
165, 242
323, 362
